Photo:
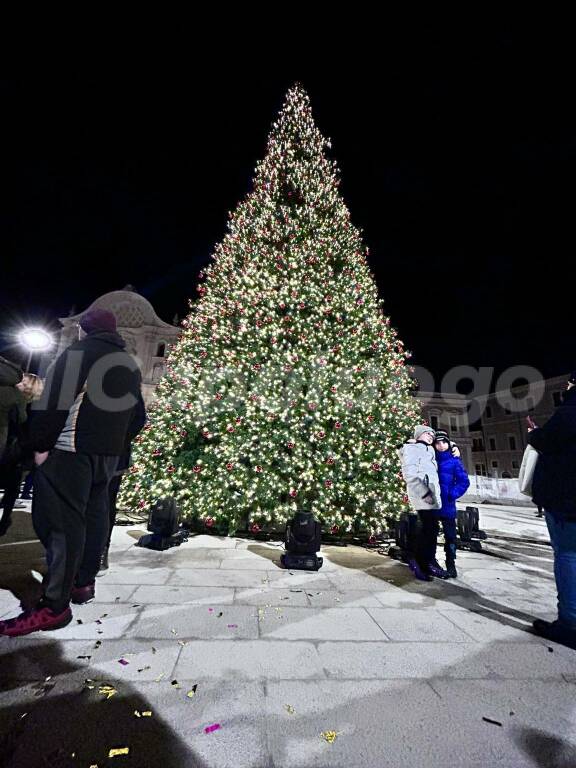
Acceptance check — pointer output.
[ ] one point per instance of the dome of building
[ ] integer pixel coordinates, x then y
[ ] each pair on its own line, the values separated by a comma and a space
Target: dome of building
130, 309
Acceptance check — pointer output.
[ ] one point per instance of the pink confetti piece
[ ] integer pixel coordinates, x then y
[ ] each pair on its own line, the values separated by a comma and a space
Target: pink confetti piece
232, 626
212, 728
210, 610
123, 662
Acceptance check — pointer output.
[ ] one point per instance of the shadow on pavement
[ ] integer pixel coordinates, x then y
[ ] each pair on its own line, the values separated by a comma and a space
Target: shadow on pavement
77, 727
545, 750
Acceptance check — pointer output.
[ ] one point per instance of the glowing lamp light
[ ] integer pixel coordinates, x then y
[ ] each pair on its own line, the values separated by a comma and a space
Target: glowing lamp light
35, 339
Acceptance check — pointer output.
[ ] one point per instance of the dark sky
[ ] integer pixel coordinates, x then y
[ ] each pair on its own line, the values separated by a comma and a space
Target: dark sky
458, 162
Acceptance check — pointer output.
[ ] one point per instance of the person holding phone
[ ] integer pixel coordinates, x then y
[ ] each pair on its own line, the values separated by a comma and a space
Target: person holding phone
420, 472
554, 489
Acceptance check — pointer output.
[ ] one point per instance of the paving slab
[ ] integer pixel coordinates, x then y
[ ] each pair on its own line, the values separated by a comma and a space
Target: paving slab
425, 625
308, 624
169, 593
194, 621
249, 660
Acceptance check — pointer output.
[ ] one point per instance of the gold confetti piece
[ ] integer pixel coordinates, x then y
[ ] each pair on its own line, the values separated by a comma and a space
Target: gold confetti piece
107, 690
289, 708
137, 713
119, 751
192, 692
183, 643
175, 684
148, 713
329, 736
94, 765
157, 680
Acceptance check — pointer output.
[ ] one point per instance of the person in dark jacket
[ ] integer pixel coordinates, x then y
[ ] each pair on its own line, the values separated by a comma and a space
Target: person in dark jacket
12, 400
78, 430
15, 457
554, 489
454, 483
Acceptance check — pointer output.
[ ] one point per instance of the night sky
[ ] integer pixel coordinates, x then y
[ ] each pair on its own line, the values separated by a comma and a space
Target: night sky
458, 162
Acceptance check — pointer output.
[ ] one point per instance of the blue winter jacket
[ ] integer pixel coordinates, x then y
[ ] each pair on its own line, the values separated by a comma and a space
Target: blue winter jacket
454, 482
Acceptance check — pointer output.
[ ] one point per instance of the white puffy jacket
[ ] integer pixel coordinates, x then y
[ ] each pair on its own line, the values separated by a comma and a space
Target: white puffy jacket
420, 472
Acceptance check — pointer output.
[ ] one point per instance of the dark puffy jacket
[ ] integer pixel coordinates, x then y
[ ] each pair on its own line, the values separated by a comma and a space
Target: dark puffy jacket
12, 401
554, 483
90, 399
454, 482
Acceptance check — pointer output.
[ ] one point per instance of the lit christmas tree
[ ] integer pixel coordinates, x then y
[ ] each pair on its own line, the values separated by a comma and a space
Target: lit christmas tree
288, 388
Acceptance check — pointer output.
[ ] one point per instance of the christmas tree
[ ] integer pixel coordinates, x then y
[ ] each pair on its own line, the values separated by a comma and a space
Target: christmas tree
288, 388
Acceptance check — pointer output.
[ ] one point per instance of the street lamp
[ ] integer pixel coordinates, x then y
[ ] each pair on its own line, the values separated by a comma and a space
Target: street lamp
34, 340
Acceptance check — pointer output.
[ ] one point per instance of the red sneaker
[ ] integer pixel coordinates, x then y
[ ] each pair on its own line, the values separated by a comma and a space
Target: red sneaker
80, 595
37, 619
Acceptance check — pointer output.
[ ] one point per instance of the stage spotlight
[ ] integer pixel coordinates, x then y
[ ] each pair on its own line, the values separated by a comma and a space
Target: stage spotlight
164, 526
302, 542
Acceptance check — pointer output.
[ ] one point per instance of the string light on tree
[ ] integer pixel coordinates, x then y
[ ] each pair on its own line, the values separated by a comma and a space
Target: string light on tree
288, 389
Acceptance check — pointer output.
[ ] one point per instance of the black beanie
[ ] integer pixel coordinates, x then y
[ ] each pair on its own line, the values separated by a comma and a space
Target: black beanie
441, 434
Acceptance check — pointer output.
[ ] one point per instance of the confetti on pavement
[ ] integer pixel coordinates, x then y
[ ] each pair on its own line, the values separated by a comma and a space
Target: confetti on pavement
289, 708
117, 751
212, 728
192, 692
329, 736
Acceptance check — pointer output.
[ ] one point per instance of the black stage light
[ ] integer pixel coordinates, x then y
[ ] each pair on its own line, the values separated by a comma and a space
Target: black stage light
164, 526
302, 541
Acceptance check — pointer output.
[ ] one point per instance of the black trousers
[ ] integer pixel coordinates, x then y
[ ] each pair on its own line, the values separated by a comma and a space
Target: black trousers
70, 517
113, 490
11, 478
428, 536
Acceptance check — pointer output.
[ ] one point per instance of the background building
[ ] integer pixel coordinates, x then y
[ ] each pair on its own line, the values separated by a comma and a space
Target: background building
499, 442
147, 337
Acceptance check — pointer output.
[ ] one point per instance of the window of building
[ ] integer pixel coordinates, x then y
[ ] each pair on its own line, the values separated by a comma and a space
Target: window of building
494, 465
161, 349
454, 424
434, 422
515, 466
512, 442
478, 469
492, 443
557, 397
488, 412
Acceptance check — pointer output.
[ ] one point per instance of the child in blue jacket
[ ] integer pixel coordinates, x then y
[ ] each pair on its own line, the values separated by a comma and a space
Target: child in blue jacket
454, 483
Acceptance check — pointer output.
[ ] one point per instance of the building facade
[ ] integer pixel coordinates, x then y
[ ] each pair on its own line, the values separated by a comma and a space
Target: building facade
499, 444
147, 337
450, 412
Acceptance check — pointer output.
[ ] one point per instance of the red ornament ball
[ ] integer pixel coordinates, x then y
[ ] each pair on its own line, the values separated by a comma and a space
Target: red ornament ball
209, 522
229, 466
258, 468
293, 493
197, 469
255, 528
335, 529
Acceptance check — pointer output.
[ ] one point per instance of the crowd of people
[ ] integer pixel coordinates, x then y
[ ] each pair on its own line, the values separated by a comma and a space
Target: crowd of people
78, 437
73, 433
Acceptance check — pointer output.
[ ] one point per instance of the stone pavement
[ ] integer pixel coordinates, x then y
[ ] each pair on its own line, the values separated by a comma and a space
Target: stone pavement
403, 672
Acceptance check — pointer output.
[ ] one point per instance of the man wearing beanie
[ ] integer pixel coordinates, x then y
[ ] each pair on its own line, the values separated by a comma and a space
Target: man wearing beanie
554, 489
420, 472
91, 408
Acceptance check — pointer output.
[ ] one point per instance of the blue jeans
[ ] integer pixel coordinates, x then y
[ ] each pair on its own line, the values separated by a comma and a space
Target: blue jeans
563, 539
